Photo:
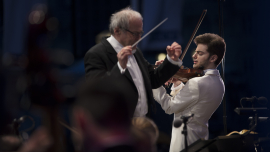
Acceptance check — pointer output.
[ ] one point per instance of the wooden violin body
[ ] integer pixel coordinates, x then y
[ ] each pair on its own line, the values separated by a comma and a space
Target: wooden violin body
185, 74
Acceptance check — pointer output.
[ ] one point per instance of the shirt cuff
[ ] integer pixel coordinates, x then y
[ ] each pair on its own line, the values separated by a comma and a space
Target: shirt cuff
122, 71
179, 62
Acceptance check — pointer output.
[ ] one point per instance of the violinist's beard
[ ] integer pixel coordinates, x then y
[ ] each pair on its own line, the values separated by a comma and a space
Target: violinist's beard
201, 67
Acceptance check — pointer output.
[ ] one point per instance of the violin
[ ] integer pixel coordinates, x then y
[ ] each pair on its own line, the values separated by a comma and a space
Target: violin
184, 74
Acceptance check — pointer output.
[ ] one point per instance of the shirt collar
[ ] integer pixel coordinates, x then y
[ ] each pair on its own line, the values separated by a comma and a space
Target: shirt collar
116, 45
208, 70
211, 72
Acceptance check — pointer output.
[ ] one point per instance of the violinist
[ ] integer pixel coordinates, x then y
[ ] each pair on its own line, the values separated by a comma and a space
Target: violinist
114, 56
200, 96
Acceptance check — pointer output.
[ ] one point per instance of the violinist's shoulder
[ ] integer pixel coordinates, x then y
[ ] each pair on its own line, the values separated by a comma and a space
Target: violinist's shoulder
198, 80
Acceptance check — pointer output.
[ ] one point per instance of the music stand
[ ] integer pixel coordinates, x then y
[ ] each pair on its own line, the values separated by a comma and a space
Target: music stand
233, 143
199, 145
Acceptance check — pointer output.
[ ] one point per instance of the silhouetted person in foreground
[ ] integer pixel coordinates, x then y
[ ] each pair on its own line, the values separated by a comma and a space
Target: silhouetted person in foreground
102, 119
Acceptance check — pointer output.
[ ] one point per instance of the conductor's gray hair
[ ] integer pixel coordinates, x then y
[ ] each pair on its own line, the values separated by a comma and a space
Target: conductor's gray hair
121, 19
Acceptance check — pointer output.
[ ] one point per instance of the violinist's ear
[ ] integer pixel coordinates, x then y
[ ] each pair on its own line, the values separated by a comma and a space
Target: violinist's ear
213, 58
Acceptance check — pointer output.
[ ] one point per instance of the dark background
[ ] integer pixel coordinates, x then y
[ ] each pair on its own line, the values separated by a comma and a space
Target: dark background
73, 31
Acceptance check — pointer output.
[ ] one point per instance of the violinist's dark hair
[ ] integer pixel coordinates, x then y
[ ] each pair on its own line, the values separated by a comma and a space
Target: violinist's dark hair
216, 45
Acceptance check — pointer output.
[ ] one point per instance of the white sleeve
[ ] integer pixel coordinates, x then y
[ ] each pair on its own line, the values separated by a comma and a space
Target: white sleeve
185, 98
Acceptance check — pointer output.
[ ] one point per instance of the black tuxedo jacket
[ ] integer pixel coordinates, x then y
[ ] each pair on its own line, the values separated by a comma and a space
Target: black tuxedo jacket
101, 61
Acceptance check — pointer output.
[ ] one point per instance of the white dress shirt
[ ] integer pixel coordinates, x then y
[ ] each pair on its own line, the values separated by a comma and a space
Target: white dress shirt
135, 72
200, 96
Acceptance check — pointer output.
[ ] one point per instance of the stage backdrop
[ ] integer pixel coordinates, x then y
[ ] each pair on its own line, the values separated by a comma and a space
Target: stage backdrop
155, 11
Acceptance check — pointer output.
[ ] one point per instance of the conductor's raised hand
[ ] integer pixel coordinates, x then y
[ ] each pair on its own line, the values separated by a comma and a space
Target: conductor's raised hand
123, 56
174, 51
159, 62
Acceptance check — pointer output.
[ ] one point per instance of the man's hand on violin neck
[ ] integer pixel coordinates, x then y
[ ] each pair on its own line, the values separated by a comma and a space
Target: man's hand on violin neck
123, 56
176, 82
174, 51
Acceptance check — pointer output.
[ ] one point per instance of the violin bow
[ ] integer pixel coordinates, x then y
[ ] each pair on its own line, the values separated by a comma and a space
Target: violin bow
149, 32
193, 34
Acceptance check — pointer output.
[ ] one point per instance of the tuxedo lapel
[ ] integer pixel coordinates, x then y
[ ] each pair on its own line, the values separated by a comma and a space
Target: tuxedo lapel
112, 55
143, 69
140, 63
